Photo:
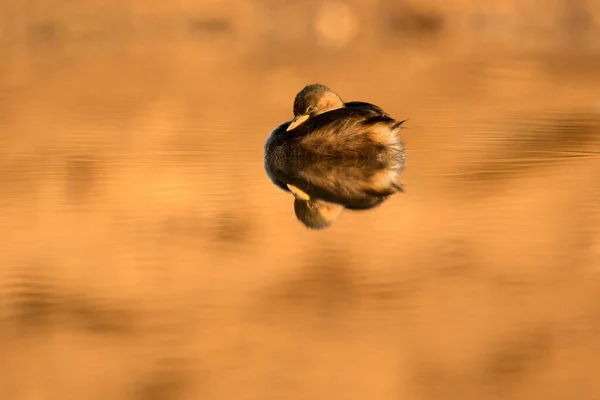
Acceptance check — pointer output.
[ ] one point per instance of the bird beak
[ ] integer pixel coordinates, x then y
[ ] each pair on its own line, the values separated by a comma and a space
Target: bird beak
299, 194
297, 121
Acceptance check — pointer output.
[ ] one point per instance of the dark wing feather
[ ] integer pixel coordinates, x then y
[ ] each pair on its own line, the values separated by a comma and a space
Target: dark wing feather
362, 104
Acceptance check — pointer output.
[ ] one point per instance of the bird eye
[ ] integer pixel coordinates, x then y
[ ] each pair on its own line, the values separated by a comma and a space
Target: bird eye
310, 109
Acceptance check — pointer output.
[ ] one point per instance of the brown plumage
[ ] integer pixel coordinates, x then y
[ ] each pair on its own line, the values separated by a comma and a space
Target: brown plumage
350, 154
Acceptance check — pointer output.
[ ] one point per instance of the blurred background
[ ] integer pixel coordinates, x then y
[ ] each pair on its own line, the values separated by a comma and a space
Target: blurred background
145, 254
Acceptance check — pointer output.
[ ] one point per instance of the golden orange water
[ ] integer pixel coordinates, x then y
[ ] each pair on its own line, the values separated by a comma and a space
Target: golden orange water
145, 255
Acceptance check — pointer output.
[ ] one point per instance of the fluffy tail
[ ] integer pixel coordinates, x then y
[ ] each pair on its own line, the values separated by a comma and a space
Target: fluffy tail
399, 157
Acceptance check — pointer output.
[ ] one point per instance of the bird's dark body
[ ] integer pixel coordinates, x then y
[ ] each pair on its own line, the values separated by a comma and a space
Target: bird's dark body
339, 156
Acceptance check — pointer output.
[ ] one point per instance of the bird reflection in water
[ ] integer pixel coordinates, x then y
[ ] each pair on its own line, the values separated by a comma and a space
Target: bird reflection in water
334, 156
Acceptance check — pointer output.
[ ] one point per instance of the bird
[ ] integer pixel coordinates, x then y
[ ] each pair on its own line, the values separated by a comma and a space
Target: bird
349, 154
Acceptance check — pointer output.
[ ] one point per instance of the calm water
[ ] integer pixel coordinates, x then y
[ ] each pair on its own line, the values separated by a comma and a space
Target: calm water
146, 255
